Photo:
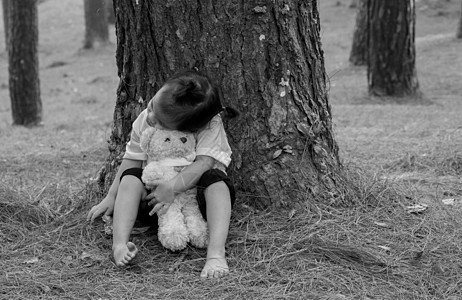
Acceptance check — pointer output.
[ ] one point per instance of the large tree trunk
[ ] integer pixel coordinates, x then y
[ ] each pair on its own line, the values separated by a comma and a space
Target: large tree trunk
269, 62
96, 23
459, 29
5, 20
24, 83
358, 54
391, 48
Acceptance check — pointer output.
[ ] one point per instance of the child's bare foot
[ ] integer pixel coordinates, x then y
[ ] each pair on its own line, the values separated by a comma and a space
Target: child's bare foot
215, 268
123, 254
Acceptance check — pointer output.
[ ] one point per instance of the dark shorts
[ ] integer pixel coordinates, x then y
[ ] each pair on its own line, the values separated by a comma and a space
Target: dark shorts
208, 178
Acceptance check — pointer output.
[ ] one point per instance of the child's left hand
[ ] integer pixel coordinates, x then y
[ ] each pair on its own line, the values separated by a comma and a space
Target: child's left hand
161, 198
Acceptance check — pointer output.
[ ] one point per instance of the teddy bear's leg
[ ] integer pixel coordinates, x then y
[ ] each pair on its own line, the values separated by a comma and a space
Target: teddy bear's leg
172, 232
197, 227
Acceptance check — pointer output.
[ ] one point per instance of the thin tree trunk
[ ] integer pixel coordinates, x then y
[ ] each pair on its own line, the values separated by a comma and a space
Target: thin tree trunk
96, 23
110, 13
391, 48
23, 61
459, 29
5, 20
358, 54
269, 62
354, 3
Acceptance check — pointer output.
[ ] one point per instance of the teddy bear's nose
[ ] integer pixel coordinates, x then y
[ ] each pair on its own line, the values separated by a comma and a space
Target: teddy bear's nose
183, 140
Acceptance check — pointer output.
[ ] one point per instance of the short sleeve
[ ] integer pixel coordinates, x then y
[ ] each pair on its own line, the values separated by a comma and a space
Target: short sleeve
133, 149
212, 141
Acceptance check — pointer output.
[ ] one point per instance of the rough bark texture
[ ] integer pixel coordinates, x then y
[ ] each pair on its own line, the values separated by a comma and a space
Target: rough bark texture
459, 29
391, 48
358, 54
5, 20
96, 23
24, 83
269, 62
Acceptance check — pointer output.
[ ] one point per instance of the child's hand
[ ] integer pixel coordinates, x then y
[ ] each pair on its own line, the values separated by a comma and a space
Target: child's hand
161, 198
106, 207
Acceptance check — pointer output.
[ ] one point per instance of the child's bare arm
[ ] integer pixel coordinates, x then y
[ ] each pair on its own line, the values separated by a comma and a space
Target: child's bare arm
106, 206
164, 194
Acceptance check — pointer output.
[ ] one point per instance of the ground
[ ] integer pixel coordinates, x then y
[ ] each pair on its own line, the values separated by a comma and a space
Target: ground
78, 90
399, 153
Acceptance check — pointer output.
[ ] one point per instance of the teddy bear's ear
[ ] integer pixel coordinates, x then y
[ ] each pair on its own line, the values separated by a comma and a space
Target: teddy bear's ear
146, 138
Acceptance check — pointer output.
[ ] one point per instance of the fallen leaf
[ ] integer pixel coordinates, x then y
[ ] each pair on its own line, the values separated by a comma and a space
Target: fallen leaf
416, 208
287, 149
107, 219
33, 260
384, 248
292, 213
277, 153
381, 224
449, 201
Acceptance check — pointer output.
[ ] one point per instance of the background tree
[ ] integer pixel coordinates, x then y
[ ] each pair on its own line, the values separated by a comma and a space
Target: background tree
24, 83
96, 23
269, 62
459, 29
110, 11
358, 53
5, 19
354, 3
391, 48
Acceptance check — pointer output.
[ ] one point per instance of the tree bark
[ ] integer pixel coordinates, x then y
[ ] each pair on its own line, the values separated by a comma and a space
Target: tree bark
24, 82
459, 29
358, 53
5, 20
268, 61
96, 23
391, 48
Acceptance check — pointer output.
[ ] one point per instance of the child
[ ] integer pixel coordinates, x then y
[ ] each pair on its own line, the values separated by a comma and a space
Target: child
186, 102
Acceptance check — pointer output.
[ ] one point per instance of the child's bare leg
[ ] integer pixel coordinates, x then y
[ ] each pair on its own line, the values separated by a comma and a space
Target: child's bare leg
126, 206
218, 218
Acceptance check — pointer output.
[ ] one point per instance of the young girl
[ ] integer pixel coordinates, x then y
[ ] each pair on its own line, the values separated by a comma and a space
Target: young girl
186, 102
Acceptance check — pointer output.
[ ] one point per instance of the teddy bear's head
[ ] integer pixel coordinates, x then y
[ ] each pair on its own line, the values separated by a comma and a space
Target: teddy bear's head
160, 144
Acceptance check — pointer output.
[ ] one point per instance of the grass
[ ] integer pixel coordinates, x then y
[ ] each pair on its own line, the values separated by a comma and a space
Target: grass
398, 154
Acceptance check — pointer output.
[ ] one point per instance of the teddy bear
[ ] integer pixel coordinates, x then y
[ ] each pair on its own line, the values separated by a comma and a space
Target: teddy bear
169, 151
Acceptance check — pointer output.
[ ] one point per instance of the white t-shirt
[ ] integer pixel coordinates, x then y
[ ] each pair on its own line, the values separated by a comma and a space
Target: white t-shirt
210, 141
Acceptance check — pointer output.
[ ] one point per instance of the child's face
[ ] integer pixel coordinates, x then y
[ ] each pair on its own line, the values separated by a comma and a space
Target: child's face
155, 115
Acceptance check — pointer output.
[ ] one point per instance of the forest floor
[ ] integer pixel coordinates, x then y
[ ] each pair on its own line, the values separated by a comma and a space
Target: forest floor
400, 152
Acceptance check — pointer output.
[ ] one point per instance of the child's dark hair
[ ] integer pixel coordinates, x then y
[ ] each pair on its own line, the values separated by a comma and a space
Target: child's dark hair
194, 101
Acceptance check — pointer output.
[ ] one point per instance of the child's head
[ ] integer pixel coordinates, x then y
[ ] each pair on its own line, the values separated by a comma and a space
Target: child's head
186, 102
